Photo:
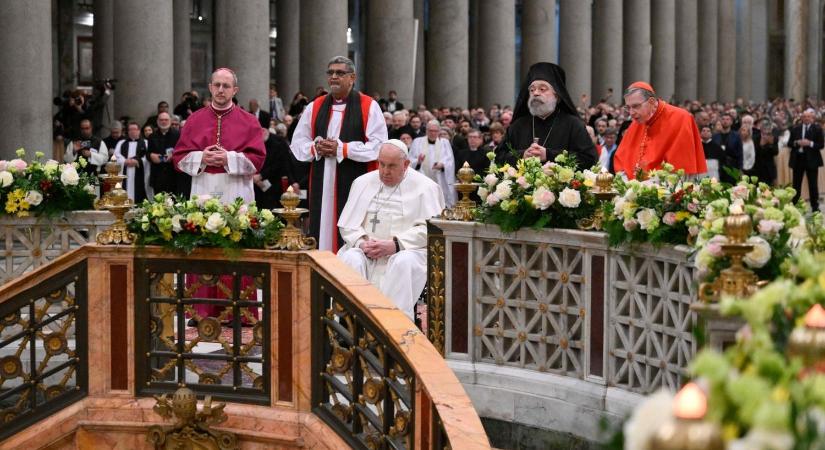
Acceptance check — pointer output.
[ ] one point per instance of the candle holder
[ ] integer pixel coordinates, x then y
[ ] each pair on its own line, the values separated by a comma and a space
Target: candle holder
463, 209
737, 280
604, 192
687, 431
117, 202
808, 341
111, 178
291, 237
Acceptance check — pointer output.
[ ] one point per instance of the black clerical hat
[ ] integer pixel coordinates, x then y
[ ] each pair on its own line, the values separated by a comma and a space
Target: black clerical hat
552, 74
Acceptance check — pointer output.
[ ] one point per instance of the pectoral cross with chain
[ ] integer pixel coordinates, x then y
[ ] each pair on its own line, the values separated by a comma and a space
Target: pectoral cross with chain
374, 221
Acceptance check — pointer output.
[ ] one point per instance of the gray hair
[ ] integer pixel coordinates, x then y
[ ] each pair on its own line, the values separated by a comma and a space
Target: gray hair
434, 122
342, 60
645, 93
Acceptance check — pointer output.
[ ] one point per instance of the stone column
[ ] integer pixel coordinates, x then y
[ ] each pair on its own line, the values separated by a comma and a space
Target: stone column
744, 51
448, 53
636, 41
27, 68
323, 35
143, 32
242, 44
575, 39
607, 49
182, 37
538, 33
497, 85
814, 49
66, 67
103, 54
687, 50
663, 36
287, 61
726, 68
759, 50
420, 56
472, 58
390, 48
796, 61
708, 50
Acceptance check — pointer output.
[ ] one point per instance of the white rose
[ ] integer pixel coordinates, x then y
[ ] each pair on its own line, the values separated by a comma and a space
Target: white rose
492, 199
33, 198
176, 220
619, 204
565, 174
570, 198
483, 193
760, 255
90, 189
215, 222
651, 414
491, 179
504, 189
69, 175
6, 179
543, 198
647, 218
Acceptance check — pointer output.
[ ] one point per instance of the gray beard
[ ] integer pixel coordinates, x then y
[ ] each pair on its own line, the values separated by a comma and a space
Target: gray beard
540, 108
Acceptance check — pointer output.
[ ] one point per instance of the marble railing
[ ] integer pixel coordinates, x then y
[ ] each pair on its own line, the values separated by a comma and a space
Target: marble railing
541, 320
327, 361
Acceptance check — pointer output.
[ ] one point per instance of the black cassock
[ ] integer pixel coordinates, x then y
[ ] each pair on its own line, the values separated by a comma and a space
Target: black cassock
558, 132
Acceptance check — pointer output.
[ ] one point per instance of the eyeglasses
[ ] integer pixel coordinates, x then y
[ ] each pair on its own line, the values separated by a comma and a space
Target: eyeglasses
635, 107
338, 73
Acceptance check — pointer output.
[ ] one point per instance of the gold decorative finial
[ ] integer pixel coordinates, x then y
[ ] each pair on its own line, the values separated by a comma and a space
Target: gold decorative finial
291, 237
604, 192
116, 200
463, 209
192, 429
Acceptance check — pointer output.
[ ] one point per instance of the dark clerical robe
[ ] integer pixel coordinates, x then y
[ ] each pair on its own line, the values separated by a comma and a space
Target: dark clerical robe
669, 136
558, 132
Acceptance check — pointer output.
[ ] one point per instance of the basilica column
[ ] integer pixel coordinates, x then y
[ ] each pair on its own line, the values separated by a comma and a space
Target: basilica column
498, 85
420, 56
607, 50
242, 44
636, 41
390, 49
744, 50
726, 68
687, 51
708, 50
27, 68
143, 33
575, 51
538, 33
759, 50
814, 49
663, 36
182, 37
796, 61
448, 53
287, 63
323, 35
103, 66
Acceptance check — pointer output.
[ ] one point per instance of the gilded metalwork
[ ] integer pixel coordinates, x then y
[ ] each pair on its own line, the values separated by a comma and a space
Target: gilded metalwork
11, 367
463, 209
340, 361
193, 428
736, 280
116, 201
373, 391
55, 344
209, 329
435, 293
604, 192
291, 238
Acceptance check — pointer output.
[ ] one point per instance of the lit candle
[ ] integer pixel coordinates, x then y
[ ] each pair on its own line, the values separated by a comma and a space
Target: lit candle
690, 402
289, 189
815, 317
736, 209
118, 186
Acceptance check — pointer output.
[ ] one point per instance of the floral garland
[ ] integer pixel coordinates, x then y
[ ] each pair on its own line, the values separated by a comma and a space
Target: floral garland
44, 188
202, 221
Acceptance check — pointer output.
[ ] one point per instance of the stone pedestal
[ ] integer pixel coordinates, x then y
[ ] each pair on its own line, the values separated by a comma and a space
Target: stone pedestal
726, 70
708, 50
663, 36
636, 41
575, 38
607, 49
496, 42
143, 34
323, 35
796, 59
448, 53
538, 33
390, 49
242, 44
687, 49
27, 69
183, 49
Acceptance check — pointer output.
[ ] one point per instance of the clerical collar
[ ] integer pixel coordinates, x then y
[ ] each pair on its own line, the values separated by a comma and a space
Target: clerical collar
335, 101
219, 110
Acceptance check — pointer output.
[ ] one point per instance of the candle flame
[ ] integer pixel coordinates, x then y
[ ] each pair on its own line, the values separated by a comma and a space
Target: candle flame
118, 186
289, 189
113, 159
815, 317
690, 402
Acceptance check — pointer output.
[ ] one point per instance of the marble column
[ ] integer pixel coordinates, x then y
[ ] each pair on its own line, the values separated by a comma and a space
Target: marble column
726, 68
663, 37
182, 37
448, 53
66, 67
708, 49
759, 50
390, 48
420, 56
575, 49
103, 66
607, 49
242, 44
687, 49
744, 51
472, 57
538, 33
498, 85
796, 61
815, 74
27, 69
636, 41
143, 31
323, 35
287, 66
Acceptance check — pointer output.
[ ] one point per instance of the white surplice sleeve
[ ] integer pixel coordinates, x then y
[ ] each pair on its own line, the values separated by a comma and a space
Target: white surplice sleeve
192, 164
303, 145
376, 132
238, 164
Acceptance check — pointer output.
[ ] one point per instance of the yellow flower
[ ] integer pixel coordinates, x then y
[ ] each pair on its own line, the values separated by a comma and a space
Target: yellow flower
235, 236
225, 231
167, 235
529, 199
588, 182
730, 432
780, 394
682, 215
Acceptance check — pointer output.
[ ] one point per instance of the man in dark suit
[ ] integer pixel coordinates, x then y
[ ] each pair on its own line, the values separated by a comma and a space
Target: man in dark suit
806, 141
262, 116
731, 144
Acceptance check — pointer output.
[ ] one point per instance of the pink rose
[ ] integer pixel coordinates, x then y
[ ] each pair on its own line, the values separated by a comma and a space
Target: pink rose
18, 164
740, 191
714, 245
630, 225
693, 206
543, 198
521, 181
3, 164
669, 218
769, 227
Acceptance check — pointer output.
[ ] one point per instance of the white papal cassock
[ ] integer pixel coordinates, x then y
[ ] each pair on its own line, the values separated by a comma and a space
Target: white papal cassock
438, 152
376, 211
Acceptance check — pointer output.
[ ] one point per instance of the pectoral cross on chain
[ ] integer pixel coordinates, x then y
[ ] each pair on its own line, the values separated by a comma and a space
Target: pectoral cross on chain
374, 221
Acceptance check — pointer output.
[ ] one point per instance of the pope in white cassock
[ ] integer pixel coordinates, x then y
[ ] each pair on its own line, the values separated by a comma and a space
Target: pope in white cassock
384, 226
433, 156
